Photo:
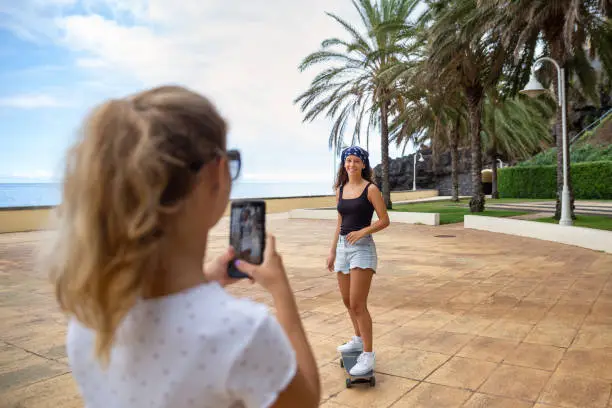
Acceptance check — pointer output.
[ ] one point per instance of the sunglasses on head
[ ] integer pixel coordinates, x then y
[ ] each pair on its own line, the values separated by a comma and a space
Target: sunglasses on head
233, 159
235, 163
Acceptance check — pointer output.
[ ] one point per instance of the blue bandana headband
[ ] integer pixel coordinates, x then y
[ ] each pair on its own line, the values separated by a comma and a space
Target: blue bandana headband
356, 151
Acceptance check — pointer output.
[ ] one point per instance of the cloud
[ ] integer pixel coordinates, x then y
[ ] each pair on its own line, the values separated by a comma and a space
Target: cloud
243, 54
37, 69
30, 19
91, 63
32, 101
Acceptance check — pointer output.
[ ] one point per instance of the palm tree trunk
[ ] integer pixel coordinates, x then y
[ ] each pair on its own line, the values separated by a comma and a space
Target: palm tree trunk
454, 151
557, 54
494, 191
384, 151
474, 96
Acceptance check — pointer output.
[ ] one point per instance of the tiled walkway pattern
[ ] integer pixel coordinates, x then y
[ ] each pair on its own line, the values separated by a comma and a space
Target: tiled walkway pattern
468, 319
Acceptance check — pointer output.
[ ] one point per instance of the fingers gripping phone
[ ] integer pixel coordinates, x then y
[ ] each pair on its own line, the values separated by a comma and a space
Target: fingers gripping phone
247, 233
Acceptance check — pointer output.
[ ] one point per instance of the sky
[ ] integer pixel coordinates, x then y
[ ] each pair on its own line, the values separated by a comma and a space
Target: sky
60, 58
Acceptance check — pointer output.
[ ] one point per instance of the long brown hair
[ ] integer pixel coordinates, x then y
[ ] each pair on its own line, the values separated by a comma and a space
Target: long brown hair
135, 162
342, 175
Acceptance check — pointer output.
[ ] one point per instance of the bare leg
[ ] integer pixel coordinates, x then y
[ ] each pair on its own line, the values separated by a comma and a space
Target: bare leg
344, 282
360, 282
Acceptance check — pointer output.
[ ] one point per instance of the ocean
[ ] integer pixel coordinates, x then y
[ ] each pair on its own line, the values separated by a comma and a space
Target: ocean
49, 194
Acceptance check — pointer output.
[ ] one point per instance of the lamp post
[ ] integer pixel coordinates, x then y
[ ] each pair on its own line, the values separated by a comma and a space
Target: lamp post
535, 88
414, 169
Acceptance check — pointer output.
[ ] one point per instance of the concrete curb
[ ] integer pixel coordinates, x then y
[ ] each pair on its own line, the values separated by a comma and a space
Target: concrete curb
400, 217
598, 240
429, 200
580, 209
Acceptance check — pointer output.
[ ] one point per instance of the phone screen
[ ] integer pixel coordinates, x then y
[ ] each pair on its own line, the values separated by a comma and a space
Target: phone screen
247, 231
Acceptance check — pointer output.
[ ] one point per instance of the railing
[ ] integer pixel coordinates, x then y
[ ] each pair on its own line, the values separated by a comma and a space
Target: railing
591, 126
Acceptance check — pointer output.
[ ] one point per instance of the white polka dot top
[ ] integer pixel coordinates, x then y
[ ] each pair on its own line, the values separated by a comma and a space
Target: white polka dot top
198, 348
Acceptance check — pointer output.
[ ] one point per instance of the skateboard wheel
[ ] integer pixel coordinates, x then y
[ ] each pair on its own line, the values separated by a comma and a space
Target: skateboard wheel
341, 363
372, 381
349, 384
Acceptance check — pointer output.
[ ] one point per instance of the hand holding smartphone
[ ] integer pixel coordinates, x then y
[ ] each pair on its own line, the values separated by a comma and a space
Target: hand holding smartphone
247, 233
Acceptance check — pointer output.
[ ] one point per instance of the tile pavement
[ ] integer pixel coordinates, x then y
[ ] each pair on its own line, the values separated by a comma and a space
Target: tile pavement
472, 320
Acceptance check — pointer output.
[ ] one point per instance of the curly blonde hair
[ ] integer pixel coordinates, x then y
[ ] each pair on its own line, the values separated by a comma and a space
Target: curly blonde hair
136, 160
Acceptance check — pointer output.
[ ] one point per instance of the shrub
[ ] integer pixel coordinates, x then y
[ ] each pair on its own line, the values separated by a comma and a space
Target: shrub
591, 180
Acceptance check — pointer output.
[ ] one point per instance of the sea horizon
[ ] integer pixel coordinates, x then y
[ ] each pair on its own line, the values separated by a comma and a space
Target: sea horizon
48, 193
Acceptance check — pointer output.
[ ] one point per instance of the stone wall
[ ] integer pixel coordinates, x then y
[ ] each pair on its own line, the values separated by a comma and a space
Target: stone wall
445, 185
401, 173
431, 174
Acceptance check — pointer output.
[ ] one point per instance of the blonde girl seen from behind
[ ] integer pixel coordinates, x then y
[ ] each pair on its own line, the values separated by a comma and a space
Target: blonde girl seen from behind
149, 325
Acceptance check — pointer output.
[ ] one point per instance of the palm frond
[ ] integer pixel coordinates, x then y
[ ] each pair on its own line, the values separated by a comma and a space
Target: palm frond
364, 70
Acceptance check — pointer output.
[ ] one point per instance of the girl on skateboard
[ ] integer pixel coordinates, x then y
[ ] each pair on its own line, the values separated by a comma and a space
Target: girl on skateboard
149, 324
353, 253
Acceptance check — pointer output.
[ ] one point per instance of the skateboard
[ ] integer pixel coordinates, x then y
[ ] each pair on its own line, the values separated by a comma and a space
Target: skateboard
347, 361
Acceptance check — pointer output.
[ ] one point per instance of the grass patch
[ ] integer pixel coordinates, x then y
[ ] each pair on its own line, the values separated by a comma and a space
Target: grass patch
588, 221
530, 200
450, 212
518, 200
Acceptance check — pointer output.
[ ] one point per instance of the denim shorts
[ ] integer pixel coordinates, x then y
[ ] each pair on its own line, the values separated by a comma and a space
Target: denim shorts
361, 254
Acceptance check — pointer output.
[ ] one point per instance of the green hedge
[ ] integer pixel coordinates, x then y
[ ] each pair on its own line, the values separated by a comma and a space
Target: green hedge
591, 180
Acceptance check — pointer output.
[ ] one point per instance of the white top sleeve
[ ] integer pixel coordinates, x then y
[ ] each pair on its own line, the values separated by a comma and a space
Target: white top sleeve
264, 368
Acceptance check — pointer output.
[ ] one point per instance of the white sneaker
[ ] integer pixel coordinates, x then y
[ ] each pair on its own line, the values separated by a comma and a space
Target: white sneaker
365, 364
355, 344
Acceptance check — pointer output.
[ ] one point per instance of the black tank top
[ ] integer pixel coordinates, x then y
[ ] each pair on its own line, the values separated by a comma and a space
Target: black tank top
356, 212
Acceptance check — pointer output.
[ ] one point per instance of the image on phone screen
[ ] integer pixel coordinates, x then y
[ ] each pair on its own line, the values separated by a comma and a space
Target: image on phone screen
247, 232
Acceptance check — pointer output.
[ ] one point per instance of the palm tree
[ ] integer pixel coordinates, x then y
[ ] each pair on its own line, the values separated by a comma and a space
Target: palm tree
426, 107
433, 103
475, 64
573, 31
352, 89
430, 112
514, 129
456, 128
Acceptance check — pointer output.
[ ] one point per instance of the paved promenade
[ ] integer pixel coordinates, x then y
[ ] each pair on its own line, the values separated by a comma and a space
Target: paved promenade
462, 318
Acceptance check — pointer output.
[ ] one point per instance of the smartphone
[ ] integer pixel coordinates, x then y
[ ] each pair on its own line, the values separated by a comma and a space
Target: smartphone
247, 233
